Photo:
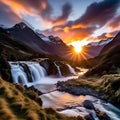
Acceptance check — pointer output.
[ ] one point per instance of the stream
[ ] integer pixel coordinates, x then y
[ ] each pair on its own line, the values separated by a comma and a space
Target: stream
62, 102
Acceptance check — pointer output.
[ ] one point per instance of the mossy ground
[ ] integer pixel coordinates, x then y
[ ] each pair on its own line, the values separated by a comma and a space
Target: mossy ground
17, 103
109, 84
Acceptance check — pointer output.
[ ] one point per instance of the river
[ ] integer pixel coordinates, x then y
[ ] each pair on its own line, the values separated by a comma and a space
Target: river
62, 102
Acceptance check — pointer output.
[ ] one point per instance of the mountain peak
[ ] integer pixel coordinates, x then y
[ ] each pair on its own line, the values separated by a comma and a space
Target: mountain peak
20, 25
115, 42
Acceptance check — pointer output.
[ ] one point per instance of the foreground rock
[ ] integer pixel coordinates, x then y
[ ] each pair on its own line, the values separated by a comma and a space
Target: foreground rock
106, 87
77, 90
88, 104
95, 112
102, 115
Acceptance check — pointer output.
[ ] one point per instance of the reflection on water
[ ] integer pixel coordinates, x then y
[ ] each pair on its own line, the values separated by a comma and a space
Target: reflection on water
59, 100
71, 105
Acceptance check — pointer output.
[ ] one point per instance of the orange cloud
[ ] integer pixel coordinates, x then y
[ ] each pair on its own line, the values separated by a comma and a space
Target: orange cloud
29, 7
57, 28
66, 29
79, 26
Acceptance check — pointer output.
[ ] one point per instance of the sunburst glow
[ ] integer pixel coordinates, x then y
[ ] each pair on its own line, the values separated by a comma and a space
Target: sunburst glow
78, 45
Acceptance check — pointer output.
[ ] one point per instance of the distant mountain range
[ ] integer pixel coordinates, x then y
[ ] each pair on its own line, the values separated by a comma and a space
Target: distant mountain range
94, 48
108, 61
24, 39
38, 42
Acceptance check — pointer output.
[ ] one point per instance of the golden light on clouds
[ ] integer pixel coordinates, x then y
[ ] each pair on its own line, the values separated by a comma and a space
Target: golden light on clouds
66, 29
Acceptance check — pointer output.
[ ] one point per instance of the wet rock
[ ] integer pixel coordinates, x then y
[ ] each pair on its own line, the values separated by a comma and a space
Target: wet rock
89, 117
27, 71
35, 90
82, 90
49, 67
102, 115
64, 68
88, 104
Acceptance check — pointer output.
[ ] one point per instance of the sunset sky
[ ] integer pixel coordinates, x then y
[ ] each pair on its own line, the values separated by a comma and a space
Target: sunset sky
72, 20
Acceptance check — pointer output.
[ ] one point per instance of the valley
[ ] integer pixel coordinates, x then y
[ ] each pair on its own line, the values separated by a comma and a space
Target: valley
44, 73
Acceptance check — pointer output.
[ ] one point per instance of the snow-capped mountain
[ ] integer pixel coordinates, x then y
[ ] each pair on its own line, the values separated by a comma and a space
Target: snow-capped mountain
100, 43
51, 45
39, 42
51, 38
94, 48
112, 44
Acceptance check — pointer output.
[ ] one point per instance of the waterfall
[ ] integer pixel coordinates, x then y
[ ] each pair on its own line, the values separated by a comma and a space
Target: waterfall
18, 74
25, 72
37, 71
71, 69
58, 68
22, 72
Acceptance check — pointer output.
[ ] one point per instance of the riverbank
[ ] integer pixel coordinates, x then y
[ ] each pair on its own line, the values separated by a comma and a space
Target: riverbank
19, 103
106, 87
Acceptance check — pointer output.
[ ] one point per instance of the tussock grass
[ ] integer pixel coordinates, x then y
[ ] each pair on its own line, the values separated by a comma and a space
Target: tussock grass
5, 111
17, 103
108, 84
111, 85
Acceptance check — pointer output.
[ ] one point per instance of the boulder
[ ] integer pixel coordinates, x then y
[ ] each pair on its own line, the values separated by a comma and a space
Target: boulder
63, 68
49, 66
88, 104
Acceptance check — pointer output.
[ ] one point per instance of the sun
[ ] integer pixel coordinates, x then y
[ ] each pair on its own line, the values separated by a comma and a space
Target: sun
78, 45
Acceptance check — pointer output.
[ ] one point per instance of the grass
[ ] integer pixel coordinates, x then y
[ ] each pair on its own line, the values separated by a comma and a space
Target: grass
109, 84
17, 103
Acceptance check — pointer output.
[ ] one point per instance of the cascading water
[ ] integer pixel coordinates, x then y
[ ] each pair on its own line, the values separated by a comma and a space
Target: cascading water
19, 74
37, 71
70, 105
59, 71
28, 73
71, 69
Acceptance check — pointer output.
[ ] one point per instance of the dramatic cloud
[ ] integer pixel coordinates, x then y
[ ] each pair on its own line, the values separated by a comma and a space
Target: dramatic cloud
47, 12
66, 11
100, 18
7, 16
31, 7
115, 23
69, 34
95, 17
112, 34
105, 36
98, 13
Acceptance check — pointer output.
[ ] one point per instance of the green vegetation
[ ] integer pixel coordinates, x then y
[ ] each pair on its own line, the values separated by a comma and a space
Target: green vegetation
108, 84
18, 103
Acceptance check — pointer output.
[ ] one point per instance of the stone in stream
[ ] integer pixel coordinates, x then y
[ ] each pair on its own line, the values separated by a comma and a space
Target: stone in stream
102, 115
88, 104
89, 117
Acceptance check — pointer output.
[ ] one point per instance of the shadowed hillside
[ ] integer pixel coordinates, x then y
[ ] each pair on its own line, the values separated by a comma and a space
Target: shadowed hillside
108, 62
